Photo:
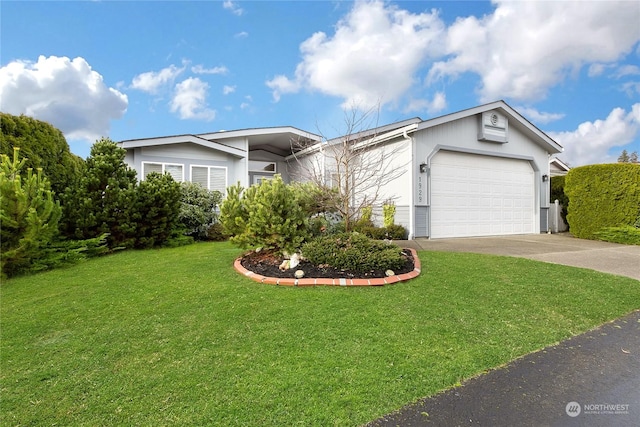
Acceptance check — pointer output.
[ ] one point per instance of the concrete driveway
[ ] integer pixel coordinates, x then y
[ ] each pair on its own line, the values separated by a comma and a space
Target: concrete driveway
623, 260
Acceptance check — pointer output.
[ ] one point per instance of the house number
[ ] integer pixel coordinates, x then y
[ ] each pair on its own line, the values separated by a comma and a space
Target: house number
420, 189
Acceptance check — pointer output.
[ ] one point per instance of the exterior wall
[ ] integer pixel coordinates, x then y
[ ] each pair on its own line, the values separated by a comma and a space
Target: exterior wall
398, 162
265, 156
188, 155
462, 135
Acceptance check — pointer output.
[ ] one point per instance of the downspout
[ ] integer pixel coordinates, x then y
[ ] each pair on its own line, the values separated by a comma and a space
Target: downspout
412, 207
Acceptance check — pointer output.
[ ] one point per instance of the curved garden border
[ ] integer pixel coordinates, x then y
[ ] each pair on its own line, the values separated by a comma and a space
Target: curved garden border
381, 281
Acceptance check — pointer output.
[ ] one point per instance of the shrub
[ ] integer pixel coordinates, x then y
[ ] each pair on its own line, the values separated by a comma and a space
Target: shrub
353, 251
198, 211
156, 211
215, 233
104, 198
394, 232
28, 216
600, 196
42, 146
388, 214
627, 235
271, 215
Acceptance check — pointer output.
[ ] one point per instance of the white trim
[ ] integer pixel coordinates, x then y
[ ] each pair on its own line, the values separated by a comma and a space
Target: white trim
181, 139
376, 139
164, 169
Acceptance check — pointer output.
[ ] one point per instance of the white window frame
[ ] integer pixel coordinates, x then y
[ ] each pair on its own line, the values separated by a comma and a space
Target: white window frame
209, 167
164, 168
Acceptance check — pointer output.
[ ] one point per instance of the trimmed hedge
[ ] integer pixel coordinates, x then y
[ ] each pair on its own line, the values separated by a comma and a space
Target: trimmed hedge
601, 196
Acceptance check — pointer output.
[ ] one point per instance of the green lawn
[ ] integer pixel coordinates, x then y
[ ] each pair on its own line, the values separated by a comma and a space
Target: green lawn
177, 337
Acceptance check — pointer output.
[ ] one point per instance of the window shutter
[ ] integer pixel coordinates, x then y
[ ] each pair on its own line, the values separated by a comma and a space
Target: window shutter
175, 171
199, 175
218, 179
150, 168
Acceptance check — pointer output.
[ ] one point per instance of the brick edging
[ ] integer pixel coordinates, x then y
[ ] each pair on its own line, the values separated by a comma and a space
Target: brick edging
381, 281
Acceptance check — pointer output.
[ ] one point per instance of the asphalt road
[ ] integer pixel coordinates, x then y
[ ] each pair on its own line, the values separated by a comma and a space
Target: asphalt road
589, 380
592, 379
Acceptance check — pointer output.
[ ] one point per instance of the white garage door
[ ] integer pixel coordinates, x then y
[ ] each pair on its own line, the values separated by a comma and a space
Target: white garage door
473, 195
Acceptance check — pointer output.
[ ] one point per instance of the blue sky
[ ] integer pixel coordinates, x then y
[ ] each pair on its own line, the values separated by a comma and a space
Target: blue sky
136, 69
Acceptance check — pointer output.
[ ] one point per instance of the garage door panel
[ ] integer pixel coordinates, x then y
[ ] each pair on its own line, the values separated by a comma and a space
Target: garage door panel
473, 195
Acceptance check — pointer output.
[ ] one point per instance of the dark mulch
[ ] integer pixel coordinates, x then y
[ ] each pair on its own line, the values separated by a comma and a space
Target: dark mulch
266, 264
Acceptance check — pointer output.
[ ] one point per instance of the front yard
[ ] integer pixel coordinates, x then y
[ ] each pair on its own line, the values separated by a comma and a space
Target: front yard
177, 337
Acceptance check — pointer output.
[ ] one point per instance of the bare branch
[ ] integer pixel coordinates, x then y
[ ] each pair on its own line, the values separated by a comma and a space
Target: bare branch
356, 166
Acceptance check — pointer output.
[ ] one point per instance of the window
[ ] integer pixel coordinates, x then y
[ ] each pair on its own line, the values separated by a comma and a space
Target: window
172, 169
210, 177
257, 166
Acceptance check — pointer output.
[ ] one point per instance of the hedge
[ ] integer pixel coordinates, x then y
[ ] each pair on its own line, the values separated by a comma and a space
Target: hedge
601, 196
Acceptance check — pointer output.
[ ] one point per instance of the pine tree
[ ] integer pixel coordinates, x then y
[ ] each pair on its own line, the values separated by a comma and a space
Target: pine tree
270, 215
104, 199
29, 215
624, 157
633, 157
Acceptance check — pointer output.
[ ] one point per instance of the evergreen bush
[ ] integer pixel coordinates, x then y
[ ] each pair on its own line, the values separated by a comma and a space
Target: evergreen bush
198, 214
157, 210
270, 215
29, 216
601, 196
42, 146
104, 199
394, 232
353, 251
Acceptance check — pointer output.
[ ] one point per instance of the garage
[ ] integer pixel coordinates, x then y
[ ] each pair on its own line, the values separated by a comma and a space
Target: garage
476, 195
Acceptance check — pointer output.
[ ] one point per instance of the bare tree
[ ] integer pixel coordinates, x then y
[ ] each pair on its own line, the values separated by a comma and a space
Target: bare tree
353, 169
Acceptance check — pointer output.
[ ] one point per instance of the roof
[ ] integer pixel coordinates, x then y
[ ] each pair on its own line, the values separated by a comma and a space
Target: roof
557, 167
282, 140
277, 140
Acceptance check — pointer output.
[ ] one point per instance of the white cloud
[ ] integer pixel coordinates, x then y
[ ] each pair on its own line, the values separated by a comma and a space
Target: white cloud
539, 117
627, 70
591, 141
241, 35
524, 48
281, 85
66, 93
189, 100
151, 81
372, 57
226, 90
233, 7
596, 69
199, 69
437, 104
631, 88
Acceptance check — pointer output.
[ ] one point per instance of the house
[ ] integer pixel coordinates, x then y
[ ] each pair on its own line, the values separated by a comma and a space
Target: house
219, 159
477, 172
